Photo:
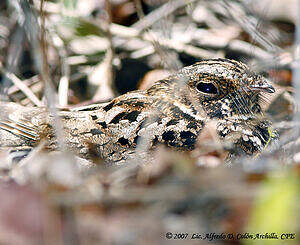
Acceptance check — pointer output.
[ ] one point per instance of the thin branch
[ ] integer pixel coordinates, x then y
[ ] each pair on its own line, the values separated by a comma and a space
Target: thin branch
163, 11
63, 86
22, 86
106, 87
28, 82
151, 36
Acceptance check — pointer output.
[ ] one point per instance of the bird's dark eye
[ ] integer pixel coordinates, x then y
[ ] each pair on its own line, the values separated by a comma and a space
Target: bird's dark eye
207, 88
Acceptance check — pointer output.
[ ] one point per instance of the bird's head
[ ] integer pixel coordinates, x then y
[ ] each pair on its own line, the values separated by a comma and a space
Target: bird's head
221, 88
226, 88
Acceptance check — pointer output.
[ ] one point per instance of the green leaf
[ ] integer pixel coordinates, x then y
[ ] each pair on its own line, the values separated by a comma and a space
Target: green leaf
70, 4
275, 210
84, 28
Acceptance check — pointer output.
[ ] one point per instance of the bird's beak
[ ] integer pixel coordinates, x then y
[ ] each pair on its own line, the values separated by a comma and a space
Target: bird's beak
267, 88
261, 85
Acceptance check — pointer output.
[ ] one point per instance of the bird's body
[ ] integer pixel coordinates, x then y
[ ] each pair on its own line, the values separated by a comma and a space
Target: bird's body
172, 112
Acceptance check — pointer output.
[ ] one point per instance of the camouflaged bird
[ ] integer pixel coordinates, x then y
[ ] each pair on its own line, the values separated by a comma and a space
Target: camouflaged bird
173, 111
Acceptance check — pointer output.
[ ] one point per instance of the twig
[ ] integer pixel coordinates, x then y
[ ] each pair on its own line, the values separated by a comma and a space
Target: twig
169, 60
159, 13
22, 86
106, 87
45, 74
238, 14
123, 31
64, 81
63, 88
139, 9
28, 82
249, 49
130, 32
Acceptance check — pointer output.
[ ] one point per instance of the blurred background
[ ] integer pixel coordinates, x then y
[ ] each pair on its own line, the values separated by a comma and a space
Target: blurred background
70, 53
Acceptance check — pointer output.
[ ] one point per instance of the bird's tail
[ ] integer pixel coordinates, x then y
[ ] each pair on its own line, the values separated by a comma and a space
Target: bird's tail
16, 127
19, 129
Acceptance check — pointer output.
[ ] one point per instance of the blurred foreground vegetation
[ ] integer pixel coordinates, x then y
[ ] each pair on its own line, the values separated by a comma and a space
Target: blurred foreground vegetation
76, 52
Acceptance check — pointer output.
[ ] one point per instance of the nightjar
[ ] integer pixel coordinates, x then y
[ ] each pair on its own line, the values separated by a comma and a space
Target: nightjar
173, 111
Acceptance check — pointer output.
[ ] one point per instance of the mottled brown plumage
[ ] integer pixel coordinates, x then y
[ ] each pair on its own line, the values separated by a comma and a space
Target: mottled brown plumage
172, 112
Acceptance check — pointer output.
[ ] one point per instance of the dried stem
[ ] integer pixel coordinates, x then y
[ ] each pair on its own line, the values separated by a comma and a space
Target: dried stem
22, 86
